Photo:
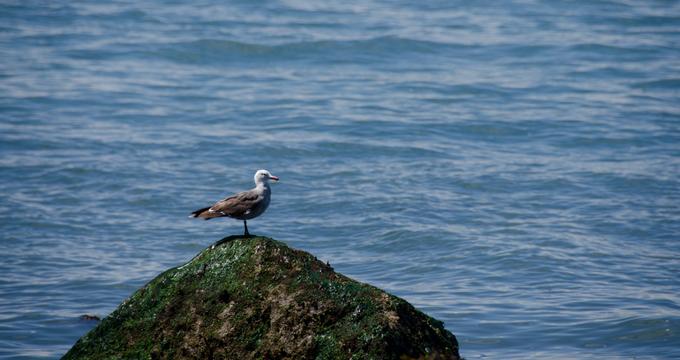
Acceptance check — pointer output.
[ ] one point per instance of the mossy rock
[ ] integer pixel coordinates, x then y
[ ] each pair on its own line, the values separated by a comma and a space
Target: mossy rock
256, 298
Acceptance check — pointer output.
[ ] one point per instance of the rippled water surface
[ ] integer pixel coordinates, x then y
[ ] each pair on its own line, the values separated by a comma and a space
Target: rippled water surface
510, 168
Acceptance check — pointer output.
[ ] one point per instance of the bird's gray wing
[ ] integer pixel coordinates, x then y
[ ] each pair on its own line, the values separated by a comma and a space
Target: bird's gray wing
237, 205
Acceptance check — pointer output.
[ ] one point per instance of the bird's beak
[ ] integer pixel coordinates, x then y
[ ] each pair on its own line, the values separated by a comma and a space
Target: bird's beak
275, 178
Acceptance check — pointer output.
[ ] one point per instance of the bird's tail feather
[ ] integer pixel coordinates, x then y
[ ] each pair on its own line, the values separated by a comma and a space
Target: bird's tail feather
198, 212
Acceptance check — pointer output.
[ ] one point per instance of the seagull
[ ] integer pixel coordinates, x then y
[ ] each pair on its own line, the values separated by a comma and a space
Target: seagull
245, 205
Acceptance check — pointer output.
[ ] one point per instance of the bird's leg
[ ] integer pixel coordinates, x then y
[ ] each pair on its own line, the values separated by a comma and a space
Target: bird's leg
245, 225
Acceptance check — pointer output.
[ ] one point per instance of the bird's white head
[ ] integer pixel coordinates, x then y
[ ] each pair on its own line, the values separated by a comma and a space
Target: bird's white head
263, 177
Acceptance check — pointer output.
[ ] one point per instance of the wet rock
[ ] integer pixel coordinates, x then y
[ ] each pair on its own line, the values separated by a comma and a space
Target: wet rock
88, 317
256, 298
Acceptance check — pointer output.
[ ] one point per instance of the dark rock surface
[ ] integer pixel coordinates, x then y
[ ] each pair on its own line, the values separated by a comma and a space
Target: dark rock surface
88, 317
256, 298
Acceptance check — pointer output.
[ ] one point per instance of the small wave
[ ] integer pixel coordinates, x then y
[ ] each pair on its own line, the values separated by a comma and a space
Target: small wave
214, 50
608, 72
221, 51
613, 50
662, 84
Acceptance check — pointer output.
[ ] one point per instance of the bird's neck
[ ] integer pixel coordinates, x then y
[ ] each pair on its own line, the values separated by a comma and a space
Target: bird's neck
262, 185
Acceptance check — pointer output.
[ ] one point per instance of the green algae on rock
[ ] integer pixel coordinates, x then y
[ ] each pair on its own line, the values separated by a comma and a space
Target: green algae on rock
256, 298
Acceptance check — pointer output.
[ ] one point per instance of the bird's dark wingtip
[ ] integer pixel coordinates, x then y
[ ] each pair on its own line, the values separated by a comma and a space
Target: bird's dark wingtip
198, 212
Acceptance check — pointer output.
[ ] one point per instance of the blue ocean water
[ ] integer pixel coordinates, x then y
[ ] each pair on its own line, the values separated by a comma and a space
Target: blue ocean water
510, 168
